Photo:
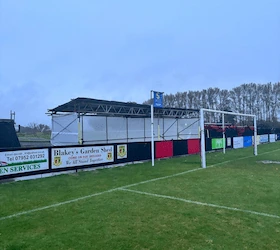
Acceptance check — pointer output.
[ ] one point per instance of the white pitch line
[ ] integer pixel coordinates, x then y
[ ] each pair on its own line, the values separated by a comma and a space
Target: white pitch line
114, 189
242, 158
56, 204
161, 178
95, 194
201, 203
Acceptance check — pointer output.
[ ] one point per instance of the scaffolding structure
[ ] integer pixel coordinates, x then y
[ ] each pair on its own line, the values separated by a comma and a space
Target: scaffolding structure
91, 121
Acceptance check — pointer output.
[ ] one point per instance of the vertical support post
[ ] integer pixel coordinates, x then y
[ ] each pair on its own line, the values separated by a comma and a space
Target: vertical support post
79, 130
163, 128
106, 121
178, 136
158, 129
224, 138
144, 129
202, 139
255, 136
152, 130
13, 115
82, 132
126, 129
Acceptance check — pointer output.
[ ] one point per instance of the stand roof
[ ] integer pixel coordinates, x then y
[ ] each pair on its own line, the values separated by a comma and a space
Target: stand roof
90, 106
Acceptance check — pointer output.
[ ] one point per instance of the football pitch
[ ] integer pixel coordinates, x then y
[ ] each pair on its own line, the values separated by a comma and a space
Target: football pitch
232, 204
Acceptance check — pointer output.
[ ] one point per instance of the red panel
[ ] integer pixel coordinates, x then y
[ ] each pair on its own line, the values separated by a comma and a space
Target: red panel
193, 146
164, 149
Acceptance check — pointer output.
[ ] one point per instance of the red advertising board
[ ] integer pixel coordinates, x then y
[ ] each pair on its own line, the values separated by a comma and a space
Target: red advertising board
164, 149
193, 146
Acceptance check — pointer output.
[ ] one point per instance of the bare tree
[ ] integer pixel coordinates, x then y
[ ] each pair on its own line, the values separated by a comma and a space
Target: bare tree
260, 99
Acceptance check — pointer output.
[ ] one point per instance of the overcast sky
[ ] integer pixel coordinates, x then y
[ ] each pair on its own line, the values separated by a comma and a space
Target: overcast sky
54, 50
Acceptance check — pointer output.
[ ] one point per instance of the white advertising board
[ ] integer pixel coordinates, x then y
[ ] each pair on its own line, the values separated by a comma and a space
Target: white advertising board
272, 138
229, 142
22, 161
263, 138
238, 142
258, 140
81, 156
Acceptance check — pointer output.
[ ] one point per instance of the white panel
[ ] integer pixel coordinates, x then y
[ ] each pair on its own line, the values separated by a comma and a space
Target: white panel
188, 128
258, 140
263, 138
148, 129
238, 142
64, 129
94, 129
272, 138
135, 129
229, 142
117, 131
170, 129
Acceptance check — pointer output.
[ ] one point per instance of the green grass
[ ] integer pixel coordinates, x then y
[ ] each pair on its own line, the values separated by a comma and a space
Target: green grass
38, 136
123, 219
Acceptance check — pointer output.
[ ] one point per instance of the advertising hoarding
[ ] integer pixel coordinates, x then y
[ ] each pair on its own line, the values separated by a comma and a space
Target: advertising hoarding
218, 143
22, 161
272, 138
247, 141
263, 138
258, 140
238, 142
81, 156
228, 142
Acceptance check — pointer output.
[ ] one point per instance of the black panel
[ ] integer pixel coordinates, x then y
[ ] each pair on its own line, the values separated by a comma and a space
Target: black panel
231, 132
136, 151
208, 144
248, 132
180, 147
8, 136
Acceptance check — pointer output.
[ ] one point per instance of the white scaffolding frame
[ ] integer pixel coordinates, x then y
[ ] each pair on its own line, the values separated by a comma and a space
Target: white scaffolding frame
202, 129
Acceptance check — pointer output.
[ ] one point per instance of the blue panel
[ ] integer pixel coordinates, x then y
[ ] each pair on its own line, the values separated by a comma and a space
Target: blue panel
247, 141
278, 137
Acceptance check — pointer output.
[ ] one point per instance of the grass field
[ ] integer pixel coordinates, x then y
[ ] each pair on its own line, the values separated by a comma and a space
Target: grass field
233, 204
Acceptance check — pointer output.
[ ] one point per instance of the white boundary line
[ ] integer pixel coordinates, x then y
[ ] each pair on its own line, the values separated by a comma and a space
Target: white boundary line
201, 203
93, 195
115, 189
56, 204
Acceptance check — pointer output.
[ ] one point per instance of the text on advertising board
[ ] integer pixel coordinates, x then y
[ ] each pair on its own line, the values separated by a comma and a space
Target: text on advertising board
79, 156
21, 161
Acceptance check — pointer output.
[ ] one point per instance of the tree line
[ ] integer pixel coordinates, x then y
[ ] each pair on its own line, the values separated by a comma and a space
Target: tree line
263, 100
33, 128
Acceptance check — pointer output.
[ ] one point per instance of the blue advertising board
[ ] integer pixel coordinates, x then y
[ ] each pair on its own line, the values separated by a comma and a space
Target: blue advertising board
278, 137
247, 141
158, 99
